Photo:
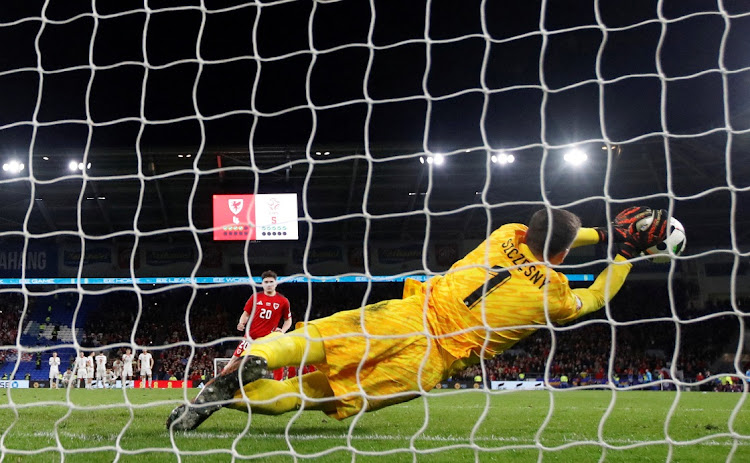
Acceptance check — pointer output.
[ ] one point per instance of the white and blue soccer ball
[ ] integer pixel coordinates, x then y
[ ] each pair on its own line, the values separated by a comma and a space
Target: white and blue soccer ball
672, 246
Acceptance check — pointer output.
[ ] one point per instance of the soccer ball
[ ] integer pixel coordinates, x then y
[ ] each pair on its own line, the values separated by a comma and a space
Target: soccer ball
672, 246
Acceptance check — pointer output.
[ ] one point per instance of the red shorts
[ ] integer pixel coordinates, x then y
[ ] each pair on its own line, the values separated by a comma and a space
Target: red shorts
241, 348
293, 371
246, 343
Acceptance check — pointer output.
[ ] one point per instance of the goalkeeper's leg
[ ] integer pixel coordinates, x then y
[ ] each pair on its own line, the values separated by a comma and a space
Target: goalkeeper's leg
274, 352
271, 397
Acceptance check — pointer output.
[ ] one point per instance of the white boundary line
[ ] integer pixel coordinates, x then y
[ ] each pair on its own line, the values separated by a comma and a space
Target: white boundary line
368, 437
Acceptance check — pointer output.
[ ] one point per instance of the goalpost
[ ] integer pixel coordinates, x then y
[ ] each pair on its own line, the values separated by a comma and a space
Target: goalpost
220, 363
409, 131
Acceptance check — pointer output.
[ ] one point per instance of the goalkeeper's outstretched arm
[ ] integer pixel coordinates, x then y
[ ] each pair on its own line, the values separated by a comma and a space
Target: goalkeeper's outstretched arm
586, 237
630, 241
620, 230
606, 285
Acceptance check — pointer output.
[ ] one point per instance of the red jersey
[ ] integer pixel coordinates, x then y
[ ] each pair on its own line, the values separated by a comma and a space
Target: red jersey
269, 310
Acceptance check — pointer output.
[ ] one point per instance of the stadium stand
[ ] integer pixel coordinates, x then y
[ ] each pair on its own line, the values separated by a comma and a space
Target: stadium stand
581, 353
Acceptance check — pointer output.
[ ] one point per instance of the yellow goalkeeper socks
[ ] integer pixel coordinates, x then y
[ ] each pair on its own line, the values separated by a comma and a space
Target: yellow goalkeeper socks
285, 350
269, 397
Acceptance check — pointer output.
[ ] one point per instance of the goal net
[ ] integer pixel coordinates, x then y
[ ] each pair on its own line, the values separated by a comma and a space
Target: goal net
159, 156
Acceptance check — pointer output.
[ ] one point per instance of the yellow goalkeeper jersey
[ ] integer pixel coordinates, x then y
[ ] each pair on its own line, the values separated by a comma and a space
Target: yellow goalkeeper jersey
498, 294
494, 297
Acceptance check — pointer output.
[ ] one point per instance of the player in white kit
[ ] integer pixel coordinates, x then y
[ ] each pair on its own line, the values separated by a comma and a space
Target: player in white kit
127, 368
117, 371
90, 371
80, 369
146, 365
101, 369
110, 379
54, 371
67, 379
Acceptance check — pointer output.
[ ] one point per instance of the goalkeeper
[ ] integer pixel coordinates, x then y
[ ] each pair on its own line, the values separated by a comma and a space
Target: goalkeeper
393, 351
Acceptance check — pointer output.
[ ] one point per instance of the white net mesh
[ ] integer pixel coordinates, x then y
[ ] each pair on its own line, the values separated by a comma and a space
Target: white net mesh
409, 131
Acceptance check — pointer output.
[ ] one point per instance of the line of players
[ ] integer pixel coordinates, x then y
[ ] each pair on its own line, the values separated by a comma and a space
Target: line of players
260, 317
91, 370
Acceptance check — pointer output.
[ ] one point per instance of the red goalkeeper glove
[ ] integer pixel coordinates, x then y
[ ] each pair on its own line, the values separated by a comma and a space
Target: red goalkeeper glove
622, 222
649, 234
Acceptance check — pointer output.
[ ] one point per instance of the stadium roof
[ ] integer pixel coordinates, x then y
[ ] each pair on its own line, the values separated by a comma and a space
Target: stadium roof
252, 90
391, 186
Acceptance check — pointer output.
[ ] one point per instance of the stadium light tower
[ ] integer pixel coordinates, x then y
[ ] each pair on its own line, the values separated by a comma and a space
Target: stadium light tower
437, 159
575, 157
502, 158
74, 165
13, 167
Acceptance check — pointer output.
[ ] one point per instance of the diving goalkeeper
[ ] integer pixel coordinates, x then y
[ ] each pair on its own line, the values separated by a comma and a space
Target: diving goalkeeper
393, 351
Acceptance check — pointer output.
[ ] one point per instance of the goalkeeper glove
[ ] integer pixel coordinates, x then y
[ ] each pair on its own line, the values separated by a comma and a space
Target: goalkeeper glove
622, 223
650, 234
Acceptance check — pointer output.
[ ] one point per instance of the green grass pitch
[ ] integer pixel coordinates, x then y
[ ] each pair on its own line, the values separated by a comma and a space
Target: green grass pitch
40, 425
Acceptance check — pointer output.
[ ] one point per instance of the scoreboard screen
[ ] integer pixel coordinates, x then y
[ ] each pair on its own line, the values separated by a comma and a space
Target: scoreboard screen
255, 217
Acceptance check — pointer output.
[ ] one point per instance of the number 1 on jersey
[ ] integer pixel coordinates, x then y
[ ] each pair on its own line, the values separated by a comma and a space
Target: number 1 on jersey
496, 281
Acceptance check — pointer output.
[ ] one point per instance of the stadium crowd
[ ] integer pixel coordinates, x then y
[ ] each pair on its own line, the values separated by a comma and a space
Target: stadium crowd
11, 308
161, 327
643, 352
177, 322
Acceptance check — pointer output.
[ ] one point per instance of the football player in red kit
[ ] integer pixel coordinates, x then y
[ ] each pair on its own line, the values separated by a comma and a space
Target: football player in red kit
263, 311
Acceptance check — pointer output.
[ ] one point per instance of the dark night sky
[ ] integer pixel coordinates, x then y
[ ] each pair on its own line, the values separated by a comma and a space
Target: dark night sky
689, 50
352, 72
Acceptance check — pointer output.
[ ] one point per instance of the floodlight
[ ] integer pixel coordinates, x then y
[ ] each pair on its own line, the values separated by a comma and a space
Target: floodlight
73, 165
13, 167
575, 157
502, 158
437, 159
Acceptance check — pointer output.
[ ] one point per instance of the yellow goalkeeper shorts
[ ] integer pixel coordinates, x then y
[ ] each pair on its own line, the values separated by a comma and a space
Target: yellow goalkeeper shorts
380, 355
